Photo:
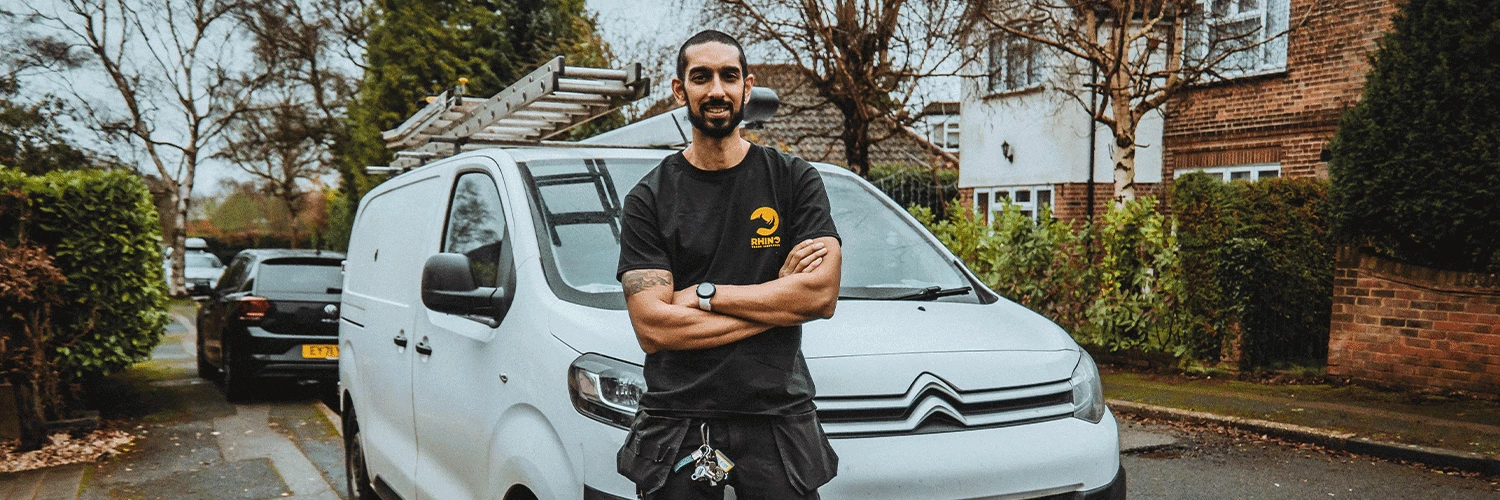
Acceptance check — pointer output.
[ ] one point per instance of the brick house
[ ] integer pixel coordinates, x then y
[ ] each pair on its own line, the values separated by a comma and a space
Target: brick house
1276, 118
1027, 141
1272, 116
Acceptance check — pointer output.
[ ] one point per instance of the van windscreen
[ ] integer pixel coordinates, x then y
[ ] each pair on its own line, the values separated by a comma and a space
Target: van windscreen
576, 205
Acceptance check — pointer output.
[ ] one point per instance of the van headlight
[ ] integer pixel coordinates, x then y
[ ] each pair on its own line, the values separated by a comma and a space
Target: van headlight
605, 389
1088, 390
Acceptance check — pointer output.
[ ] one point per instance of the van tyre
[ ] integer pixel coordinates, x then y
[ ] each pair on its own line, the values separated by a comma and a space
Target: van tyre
234, 377
356, 472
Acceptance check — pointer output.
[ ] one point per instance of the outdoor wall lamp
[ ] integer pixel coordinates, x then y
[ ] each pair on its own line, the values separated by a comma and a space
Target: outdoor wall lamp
1009, 152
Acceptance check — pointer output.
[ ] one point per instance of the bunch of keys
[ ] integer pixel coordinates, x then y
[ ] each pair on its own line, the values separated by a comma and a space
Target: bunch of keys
712, 465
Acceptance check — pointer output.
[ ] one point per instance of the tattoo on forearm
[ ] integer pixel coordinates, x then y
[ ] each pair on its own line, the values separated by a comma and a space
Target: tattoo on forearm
638, 281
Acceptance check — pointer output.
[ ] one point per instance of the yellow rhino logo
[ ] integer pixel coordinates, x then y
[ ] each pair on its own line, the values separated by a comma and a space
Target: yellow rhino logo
767, 214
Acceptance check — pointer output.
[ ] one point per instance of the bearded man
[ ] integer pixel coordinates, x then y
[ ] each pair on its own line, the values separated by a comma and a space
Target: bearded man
727, 248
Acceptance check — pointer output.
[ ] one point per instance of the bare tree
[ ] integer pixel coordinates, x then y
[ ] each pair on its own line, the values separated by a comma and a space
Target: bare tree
175, 80
281, 149
864, 58
311, 50
1123, 59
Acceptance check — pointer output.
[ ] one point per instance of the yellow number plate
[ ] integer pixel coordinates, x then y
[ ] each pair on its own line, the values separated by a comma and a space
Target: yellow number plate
320, 351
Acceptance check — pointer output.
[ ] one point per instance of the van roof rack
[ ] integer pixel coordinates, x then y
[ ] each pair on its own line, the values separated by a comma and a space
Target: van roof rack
541, 105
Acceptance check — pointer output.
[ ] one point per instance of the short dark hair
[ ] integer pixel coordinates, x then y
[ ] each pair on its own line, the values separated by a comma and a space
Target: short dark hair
707, 36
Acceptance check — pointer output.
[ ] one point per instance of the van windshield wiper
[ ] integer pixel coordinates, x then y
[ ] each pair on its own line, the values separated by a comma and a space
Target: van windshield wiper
933, 292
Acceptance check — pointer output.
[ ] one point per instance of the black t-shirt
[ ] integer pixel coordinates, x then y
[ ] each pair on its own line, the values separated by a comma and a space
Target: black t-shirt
727, 227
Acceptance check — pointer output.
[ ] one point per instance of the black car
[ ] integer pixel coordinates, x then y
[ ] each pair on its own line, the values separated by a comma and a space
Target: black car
274, 314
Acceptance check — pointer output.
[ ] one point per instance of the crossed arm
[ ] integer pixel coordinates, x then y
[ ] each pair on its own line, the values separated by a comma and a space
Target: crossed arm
807, 289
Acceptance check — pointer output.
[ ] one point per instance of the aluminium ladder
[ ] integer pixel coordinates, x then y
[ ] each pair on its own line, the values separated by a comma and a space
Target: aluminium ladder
541, 105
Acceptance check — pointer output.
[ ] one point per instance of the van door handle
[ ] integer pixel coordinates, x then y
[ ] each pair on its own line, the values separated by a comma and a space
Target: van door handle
400, 340
423, 348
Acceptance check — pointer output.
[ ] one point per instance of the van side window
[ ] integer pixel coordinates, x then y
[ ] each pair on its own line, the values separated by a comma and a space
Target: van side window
476, 226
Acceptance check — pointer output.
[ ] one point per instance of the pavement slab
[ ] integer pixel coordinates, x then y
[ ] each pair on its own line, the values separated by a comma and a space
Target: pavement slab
247, 480
248, 435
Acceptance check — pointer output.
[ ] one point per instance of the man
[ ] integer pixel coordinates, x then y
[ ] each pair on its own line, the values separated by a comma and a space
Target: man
717, 292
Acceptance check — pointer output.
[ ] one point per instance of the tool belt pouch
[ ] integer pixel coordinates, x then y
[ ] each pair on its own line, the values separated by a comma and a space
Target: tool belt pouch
650, 450
809, 460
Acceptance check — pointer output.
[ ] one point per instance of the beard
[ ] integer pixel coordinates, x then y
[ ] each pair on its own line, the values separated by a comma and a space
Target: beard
717, 128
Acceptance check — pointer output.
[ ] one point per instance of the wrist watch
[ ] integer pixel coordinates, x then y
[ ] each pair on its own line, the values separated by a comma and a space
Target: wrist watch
705, 292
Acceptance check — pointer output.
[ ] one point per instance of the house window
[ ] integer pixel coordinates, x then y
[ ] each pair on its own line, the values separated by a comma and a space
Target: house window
1237, 172
1246, 37
944, 134
1029, 199
1014, 63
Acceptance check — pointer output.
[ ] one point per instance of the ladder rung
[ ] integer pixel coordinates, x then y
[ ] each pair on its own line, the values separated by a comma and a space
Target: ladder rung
543, 116
563, 179
416, 154
596, 73
515, 121
577, 98
594, 87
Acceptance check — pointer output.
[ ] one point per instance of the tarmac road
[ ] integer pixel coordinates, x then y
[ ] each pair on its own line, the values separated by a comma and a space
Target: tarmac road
195, 445
1210, 465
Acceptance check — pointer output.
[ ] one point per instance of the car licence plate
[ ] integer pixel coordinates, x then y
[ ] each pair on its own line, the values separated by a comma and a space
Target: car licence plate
320, 351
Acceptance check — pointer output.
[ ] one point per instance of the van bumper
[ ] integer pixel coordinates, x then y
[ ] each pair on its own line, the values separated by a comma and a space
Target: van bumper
1065, 458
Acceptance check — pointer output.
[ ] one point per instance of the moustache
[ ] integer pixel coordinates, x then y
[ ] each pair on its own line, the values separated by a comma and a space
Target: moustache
716, 102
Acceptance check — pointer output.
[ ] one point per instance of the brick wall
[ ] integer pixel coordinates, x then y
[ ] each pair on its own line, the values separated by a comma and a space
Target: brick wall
1407, 326
1285, 117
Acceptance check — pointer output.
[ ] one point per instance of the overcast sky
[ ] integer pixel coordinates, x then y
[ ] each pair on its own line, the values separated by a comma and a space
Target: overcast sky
646, 32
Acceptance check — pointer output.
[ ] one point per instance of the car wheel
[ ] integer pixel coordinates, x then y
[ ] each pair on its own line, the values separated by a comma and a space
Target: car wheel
206, 370
356, 473
236, 381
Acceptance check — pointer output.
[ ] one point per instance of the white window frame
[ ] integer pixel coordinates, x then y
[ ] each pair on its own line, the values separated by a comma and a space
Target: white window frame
1029, 208
1252, 172
944, 133
1268, 57
999, 61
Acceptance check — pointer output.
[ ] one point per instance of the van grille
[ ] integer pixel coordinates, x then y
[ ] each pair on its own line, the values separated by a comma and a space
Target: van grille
933, 405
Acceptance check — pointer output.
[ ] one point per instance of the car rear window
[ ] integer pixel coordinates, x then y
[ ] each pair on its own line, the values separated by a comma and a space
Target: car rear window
201, 260
299, 276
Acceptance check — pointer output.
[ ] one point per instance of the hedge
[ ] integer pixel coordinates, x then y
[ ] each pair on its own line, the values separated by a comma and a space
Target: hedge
101, 229
1257, 261
1115, 285
1416, 162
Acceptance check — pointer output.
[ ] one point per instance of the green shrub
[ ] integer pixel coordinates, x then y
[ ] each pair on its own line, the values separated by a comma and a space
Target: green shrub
1123, 300
1257, 265
1140, 284
102, 230
1416, 163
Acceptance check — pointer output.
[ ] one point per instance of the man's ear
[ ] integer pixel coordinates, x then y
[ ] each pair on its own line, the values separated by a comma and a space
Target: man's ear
749, 84
679, 92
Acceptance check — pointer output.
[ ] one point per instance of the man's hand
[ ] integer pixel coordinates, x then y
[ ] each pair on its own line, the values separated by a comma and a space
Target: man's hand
686, 297
804, 258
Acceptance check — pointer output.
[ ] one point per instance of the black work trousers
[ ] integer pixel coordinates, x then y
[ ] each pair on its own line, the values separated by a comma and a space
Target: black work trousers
779, 458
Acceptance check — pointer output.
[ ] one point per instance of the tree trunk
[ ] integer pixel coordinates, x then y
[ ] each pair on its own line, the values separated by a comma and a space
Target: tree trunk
856, 139
1124, 156
178, 286
28, 414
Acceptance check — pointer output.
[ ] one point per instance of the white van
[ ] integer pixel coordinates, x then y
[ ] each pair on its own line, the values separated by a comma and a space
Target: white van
486, 351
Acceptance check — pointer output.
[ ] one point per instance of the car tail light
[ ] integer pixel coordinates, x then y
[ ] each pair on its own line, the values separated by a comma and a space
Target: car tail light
254, 308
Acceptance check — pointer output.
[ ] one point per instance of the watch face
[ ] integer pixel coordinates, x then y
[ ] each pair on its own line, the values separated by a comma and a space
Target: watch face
706, 290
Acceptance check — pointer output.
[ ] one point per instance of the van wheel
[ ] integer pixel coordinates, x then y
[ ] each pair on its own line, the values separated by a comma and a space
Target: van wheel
206, 371
236, 382
356, 473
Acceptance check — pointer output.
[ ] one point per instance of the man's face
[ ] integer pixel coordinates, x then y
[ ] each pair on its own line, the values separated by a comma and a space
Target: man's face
714, 88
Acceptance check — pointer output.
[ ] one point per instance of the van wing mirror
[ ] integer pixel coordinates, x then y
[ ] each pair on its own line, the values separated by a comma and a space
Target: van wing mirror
448, 286
761, 107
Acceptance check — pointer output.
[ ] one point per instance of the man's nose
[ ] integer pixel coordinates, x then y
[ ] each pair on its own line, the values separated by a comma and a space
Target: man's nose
716, 88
